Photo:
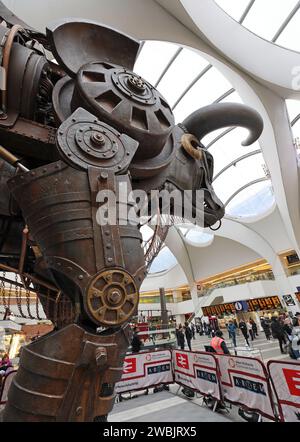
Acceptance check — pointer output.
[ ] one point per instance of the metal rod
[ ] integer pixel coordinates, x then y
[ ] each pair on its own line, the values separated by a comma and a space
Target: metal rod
286, 22
168, 66
12, 159
246, 12
247, 155
202, 73
259, 180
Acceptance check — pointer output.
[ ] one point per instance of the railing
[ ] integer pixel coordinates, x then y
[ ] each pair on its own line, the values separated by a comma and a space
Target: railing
266, 276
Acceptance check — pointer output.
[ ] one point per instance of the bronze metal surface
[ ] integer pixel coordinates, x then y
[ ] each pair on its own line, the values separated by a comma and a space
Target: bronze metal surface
112, 297
67, 376
72, 51
87, 126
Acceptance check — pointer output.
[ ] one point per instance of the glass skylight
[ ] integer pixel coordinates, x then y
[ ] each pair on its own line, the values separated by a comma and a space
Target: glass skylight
273, 20
188, 82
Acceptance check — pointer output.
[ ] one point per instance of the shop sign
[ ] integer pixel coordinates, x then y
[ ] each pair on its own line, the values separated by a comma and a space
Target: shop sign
244, 381
288, 299
144, 370
197, 371
285, 378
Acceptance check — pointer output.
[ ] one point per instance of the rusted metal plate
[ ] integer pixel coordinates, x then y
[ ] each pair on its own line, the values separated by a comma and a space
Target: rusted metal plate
75, 43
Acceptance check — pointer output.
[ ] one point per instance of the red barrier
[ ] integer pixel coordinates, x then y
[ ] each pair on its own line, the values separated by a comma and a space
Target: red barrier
145, 370
245, 382
285, 378
198, 371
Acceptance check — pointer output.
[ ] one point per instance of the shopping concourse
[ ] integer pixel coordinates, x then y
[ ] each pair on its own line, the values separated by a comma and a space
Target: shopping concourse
149, 213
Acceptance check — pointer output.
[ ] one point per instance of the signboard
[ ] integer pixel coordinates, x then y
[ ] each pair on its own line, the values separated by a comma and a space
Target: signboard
244, 381
144, 370
251, 305
285, 378
198, 371
288, 299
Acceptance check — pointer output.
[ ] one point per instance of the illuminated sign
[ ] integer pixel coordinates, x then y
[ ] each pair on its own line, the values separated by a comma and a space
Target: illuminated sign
269, 303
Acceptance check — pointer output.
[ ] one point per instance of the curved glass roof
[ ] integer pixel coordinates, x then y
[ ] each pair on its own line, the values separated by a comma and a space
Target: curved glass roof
188, 81
275, 20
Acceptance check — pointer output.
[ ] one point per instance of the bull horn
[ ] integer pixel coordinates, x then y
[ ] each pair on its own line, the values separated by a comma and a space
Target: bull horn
217, 116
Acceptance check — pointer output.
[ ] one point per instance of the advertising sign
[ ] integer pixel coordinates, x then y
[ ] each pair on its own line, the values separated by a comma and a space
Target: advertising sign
285, 378
144, 370
288, 299
198, 371
244, 381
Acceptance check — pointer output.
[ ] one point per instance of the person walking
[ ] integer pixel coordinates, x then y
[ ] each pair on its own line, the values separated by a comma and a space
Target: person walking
193, 330
244, 330
296, 343
278, 333
218, 343
250, 330
254, 327
232, 332
296, 320
188, 335
266, 325
180, 337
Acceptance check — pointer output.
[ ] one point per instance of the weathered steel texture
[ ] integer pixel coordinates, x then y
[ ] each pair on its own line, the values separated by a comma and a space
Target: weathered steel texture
124, 100
84, 141
72, 51
67, 376
60, 208
84, 127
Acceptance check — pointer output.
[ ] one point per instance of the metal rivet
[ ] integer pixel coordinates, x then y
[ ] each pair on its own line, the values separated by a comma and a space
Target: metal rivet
78, 411
107, 233
108, 246
104, 175
110, 260
80, 277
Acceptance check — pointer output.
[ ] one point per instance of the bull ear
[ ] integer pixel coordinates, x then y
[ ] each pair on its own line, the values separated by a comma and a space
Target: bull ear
76, 42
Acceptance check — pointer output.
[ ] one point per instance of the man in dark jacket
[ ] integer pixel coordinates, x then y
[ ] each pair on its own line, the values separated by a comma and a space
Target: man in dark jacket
136, 342
188, 335
278, 332
180, 337
244, 330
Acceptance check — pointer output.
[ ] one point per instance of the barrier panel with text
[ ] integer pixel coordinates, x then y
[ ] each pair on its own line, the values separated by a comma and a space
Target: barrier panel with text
145, 370
198, 371
245, 382
285, 378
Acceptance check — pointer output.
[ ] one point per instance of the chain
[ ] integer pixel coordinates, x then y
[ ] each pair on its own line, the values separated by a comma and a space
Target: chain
18, 296
28, 304
3, 291
37, 301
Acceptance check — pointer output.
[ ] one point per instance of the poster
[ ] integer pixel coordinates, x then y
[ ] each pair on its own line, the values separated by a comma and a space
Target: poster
198, 371
144, 370
244, 381
285, 378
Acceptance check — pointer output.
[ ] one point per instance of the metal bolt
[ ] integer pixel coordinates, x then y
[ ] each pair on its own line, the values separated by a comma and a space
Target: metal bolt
78, 411
104, 175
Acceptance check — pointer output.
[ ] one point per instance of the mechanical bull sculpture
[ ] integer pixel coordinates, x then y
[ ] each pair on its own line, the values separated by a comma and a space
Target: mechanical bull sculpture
69, 130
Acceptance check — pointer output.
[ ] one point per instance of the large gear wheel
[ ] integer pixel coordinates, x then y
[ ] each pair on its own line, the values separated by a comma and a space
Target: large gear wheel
111, 298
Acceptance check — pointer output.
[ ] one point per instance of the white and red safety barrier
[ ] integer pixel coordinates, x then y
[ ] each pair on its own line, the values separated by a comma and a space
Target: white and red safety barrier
245, 382
145, 370
198, 371
285, 378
